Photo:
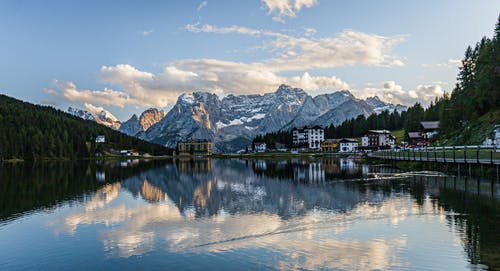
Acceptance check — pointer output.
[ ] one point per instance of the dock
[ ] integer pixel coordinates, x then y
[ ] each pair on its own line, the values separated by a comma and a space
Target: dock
484, 155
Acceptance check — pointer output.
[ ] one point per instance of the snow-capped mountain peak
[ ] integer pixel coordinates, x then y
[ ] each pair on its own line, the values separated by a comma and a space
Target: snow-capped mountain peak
379, 106
86, 115
186, 98
97, 114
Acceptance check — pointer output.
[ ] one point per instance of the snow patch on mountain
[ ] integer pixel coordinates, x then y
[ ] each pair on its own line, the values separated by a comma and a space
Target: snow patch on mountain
97, 114
380, 106
233, 121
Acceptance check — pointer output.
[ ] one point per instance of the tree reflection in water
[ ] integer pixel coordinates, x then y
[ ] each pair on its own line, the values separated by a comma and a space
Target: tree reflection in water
220, 205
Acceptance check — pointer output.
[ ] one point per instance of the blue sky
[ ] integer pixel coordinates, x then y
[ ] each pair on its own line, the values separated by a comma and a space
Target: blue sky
126, 56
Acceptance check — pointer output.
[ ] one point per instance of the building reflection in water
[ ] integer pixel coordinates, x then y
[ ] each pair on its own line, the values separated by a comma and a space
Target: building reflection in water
228, 205
311, 172
193, 164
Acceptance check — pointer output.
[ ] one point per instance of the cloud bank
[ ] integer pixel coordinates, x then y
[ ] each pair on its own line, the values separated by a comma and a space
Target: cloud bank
128, 85
390, 91
286, 8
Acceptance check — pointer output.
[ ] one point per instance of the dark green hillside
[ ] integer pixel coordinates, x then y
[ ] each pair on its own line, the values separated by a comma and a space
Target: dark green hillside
33, 132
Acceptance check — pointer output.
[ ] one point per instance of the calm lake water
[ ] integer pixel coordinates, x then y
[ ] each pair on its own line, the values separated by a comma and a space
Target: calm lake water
244, 215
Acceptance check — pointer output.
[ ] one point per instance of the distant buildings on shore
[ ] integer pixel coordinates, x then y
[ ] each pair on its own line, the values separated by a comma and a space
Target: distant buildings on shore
312, 138
428, 129
194, 147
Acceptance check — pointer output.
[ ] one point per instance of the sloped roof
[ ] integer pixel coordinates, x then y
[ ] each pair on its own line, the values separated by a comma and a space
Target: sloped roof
308, 127
430, 124
379, 131
348, 140
414, 135
332, 141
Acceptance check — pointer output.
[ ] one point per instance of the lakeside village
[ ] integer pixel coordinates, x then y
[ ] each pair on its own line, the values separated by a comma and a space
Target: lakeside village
311, 139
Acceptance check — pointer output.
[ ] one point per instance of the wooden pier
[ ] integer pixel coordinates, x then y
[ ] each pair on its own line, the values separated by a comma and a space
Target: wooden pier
449, 154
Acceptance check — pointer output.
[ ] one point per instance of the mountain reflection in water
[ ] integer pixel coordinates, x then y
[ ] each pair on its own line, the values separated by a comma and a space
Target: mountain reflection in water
286, 214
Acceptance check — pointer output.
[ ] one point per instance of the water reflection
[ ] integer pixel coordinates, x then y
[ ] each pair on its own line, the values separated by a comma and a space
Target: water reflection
288, 214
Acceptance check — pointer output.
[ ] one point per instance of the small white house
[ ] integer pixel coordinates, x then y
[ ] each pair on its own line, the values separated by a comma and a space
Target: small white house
100, 139
348, 145
260, 147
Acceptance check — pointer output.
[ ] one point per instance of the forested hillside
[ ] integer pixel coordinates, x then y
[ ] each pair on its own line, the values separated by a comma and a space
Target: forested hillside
470, 112
30, 132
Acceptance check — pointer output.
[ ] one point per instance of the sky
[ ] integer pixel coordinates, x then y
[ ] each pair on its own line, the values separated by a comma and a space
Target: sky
127, 56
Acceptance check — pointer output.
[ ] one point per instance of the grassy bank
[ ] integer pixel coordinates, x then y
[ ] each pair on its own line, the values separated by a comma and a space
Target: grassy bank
473, 133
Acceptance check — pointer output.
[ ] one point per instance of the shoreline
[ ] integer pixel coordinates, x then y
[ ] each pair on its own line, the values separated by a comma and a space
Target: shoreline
264, 155
65, 159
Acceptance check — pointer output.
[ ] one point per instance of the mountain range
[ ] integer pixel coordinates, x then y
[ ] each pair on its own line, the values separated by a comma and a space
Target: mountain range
133, 126
233, 121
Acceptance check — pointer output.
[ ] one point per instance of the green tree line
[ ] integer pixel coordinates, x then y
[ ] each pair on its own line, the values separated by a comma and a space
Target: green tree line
33, 132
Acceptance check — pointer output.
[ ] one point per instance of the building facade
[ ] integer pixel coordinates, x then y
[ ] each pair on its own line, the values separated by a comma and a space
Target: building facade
429, 129
194, 147
348, 145
330, 145
260, 147
375, 139
100, 139
308, 136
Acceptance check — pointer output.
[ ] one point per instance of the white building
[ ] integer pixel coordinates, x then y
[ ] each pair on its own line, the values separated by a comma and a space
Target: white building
378, 138
100, 139
348, 145
495, 139
308, 136
260, 147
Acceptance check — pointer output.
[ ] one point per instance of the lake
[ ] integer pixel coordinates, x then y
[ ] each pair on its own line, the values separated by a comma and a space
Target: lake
235, 214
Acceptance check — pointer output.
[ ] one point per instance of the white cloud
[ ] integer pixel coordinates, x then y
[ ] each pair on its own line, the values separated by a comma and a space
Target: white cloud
128, 85
430, 91
207, 28
455, 62
50, 91
286, 8
391, 92
145, 33
93, 109
451, 63
202, 5
106, 96
302, 53
309, 31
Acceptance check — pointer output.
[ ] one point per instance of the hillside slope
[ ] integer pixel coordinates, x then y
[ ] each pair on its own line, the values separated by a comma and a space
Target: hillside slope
31, 131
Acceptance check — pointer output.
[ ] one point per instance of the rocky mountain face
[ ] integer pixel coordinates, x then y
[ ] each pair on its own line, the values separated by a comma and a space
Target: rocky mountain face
103, 117
132, 127
232, 122
136, 125
327, 109
380, 106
